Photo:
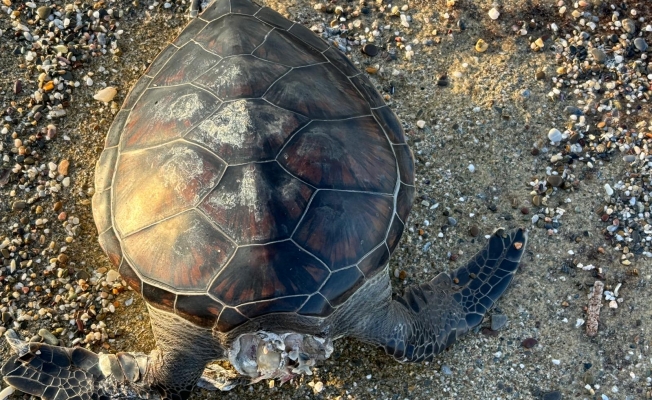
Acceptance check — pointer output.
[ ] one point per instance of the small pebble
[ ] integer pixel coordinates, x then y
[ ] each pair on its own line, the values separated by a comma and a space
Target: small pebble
554, 180
640, 44
555, 135
494, 14
481, 46
112, 276
106, 95
629, 26
421, 124
370, 50
63, 167
555, 395
498, 321
43, 12
474, 231
48, 337
599, 55
529, 343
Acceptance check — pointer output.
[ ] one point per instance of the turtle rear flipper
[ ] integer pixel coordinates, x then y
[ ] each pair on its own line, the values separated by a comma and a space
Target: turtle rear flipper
59, 373
430, 317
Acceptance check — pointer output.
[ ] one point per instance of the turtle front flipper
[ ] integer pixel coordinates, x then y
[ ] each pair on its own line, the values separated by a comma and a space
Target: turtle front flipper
58, 373
430, 317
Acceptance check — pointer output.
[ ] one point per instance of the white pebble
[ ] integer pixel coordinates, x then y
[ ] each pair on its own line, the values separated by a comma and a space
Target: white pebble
106, 95
112, 276
494, 14
471, 168
421, 124
556, 362
89, 81
608, 189
555, 135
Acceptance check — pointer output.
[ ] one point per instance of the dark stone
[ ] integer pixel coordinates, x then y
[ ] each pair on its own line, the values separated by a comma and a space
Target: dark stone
529, 343
370, 50
555, 395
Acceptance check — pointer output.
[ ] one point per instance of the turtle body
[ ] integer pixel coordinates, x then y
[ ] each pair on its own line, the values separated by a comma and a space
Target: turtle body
252, 189
252, 170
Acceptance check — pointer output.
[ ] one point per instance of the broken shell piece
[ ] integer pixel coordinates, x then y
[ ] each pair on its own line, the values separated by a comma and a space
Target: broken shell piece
106, 95
481, 46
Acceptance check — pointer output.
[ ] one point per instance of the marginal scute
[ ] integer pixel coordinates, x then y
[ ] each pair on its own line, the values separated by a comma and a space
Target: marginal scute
158, 298
241, 77
217, 10
283, 304
341, 61
102, 210
405, 163
184, 252
341, 227
273, 270
161, 60
111, 245
257, 203
188, 64
394, 234
374, 262
316, 306
244, 7
130, 276
119, 121
233, 35
368, 91
199, 309
308, 36
246, 130
281, 47
341, 285
404, 201
157, 183
105, 168
322, 154
318, 91
135, 92
164, 114
390, 124
273, 18
229, 319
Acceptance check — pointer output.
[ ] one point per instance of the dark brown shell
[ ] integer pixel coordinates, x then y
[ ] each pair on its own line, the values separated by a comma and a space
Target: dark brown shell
252, 170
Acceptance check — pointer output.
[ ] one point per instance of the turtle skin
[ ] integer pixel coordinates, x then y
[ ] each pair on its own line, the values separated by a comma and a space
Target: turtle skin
252, 170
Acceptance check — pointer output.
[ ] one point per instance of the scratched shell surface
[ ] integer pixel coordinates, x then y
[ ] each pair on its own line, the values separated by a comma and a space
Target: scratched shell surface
251, 170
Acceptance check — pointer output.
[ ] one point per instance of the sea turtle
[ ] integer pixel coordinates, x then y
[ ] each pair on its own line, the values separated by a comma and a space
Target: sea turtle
252, 189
